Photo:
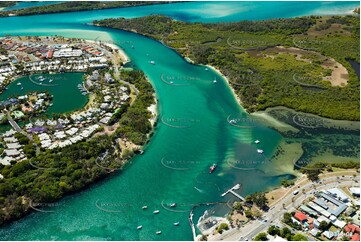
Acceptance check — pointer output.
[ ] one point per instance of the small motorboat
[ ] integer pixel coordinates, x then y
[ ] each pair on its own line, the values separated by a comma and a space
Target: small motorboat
19, 84
132, 47
144, 207
141, 152
156, 211
176, 223
232, 121
259, 151
212, 168
158, 232
173, 205
257, 142
51, 80
139, 227
215, 80
152, 62
206, 69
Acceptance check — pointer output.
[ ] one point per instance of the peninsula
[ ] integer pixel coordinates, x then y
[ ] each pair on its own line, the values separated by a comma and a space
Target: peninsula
80, 147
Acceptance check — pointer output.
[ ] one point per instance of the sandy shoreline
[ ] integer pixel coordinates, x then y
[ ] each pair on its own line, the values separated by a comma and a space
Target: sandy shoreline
229, 84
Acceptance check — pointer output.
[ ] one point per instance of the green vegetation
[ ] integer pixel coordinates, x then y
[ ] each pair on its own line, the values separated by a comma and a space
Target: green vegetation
287, 220
134, 123
313, 170
273, 230
264, 76
49, 175
287, 183
258, 198
76, 6
261, 237
5, 4
221, 227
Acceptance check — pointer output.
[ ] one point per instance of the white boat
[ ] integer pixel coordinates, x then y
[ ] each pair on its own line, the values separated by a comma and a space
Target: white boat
173, 205
139, 227
176, 223
156, 211
158, 232
152, 62
206, 69
232, 121
144, 207
171, 82
259, 151
257, 142
51, 80
215, 80
22, 88
19, 83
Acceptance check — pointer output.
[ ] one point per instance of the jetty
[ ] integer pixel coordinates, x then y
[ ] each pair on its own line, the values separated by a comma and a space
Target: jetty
231, 190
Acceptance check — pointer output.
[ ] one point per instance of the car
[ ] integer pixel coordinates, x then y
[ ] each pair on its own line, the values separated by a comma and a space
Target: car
265, 220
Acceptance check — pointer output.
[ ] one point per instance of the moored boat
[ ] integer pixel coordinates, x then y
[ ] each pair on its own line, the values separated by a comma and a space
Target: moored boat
259, 151
176, 223
212, 168
139, 227
156, 211
158, 232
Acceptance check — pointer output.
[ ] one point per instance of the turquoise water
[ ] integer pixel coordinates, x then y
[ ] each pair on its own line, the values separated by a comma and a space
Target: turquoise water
192, 134
62, 87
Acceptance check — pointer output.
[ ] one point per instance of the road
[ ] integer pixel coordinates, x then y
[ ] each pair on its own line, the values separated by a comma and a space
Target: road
285, 204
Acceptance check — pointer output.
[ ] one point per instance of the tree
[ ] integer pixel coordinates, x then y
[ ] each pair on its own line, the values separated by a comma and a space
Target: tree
259, 198
273, 230
323, 226
221, 227
261, 237
286, 233
298, 237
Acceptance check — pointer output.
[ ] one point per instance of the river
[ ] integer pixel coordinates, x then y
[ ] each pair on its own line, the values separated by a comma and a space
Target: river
193, 133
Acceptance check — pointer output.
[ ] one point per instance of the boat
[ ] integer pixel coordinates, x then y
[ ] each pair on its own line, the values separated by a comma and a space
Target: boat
152, 62
51, 80
139, 227
158, 232
141, 152
156, 211
206, 69
176, 223
19, 83
22, 88
232, 121
215, 80
257, 142
144, 207
50, 104
259, 151
173, 205
132, 47
212, 168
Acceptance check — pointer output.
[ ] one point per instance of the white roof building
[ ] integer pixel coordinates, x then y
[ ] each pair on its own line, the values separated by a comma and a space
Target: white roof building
335, 192
355, 191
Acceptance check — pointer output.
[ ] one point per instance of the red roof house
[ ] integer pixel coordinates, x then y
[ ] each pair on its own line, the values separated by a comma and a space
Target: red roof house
351, 228
355, 237
301, 217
